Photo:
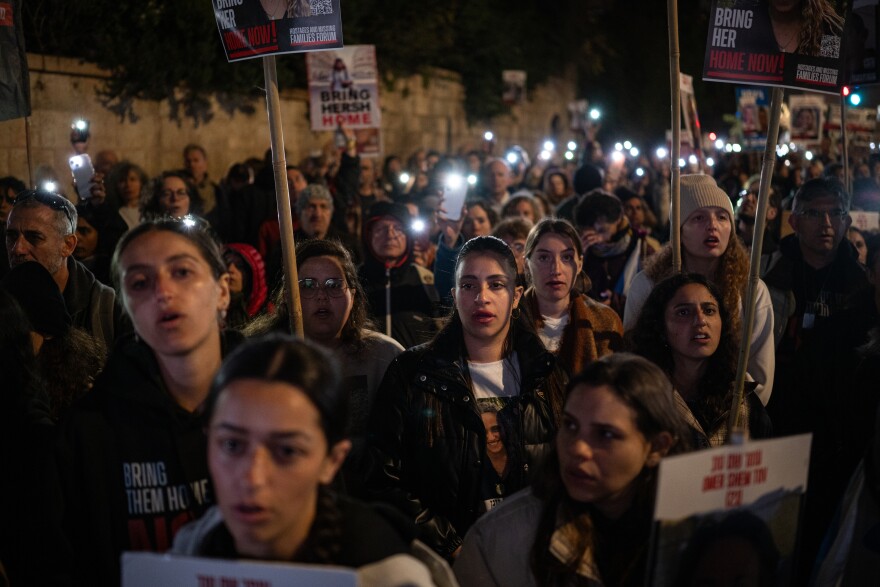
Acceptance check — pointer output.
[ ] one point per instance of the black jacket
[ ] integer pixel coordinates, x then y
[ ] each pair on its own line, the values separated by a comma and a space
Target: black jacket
414, 300
133, 465
427, 442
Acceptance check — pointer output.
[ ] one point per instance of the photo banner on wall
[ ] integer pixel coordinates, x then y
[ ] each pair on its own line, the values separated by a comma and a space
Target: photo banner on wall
753, 111
750, 42
257, 28
344, 91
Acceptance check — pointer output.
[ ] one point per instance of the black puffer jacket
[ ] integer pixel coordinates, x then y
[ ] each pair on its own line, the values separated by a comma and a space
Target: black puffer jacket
428, 442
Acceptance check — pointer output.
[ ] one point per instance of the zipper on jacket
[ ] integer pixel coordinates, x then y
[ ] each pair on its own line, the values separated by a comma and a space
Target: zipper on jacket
387, 299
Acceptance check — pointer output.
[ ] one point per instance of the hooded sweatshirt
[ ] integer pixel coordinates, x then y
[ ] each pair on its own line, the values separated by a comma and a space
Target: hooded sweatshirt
133, 465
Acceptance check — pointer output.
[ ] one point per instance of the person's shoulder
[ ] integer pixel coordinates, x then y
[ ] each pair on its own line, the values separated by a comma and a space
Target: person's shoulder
378, 343
522, 509
190, 539
372, 532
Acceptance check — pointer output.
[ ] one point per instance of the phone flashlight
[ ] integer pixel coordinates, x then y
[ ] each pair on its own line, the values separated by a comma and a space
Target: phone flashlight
50, 186
512, 158
488, 135
418, 225
404, 178
472, 179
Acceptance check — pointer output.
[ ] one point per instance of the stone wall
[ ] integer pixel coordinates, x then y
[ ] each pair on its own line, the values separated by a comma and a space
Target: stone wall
415, 114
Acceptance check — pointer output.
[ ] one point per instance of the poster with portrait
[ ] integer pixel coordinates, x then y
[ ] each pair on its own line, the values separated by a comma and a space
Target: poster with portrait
728, 511
777, 43
860, 39
514, 86
256, 28
344, 91
807, 119
689, 112
861, 126
753, 112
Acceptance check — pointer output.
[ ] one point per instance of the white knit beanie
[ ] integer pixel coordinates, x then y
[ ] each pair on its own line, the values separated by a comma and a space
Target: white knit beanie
699, 191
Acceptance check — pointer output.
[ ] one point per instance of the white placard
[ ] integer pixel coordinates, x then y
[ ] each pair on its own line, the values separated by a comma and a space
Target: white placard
147, 569
731, 476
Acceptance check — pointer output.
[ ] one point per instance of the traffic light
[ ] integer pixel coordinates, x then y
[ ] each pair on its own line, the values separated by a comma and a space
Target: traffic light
855, 98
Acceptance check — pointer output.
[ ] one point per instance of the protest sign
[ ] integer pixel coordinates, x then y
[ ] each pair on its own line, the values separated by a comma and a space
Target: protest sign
147, 569
577, 114
709, 499
749, 43
861, 43
344, 91
807, 119
753, 111
257, 28
15, 87
861, 124
514, 82
689, 113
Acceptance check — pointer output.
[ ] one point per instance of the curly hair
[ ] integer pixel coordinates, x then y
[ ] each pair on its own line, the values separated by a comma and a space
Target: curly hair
731, 277
649, 340
818, 18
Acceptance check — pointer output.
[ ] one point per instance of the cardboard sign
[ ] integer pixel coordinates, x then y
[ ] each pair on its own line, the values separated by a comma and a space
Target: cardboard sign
514, 82
256, 28
147, 569
344, 88
807, 119
861, 43
747, 43
753, 111
689, 112
728, 504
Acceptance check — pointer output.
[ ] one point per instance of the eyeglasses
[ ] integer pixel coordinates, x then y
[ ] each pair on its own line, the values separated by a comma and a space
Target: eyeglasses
54, 201
813, 214
334, 288
181, 193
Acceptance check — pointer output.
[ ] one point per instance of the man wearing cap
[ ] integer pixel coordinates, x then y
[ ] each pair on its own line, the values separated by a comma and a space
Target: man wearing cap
401, 294
41, 227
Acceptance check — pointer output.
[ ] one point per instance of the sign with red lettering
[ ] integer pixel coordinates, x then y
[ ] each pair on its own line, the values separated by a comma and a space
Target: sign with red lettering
140, 569
752, 492
789, 44
344, 90
255, 28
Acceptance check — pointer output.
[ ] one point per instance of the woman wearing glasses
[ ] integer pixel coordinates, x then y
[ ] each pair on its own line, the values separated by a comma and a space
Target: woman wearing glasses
335, 316
133, 451
173, 195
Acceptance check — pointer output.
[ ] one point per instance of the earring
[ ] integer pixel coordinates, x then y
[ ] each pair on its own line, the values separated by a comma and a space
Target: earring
515, 314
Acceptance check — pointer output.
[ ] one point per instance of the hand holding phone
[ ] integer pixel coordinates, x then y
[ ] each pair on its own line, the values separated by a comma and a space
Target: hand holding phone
454, 193
83, 174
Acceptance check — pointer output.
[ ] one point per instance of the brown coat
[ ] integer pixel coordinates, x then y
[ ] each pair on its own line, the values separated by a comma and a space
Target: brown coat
593, 331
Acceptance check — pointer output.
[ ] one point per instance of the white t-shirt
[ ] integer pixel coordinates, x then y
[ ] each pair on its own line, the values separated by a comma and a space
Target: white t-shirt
551, 332
498, 379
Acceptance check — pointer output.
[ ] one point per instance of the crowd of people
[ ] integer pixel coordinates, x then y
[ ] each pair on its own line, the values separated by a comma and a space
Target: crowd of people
490, 389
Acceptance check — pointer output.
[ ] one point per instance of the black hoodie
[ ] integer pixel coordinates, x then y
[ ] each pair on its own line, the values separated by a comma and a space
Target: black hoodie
133, 465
